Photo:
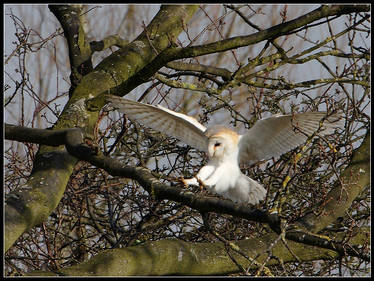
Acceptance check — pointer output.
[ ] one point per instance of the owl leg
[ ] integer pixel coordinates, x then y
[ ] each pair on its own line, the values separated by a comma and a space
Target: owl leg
204, 173
201, 183
201, 176
213, 178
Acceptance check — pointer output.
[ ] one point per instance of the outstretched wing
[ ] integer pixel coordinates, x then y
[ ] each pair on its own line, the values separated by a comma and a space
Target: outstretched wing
171, 123
273, 136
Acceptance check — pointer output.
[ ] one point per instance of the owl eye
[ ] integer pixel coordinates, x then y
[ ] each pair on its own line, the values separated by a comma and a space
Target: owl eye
217, 144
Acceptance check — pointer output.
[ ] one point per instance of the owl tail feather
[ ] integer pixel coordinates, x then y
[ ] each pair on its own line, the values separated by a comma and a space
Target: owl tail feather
256, 191
246, 190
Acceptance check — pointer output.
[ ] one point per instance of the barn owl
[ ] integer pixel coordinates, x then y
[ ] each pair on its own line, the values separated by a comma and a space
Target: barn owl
269, 137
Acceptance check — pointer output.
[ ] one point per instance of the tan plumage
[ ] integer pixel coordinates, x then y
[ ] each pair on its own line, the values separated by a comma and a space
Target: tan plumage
269, 137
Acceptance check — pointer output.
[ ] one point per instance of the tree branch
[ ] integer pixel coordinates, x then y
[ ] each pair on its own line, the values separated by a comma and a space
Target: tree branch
176, 257
182, 66
39, 136
354, 178
112, 40
71, 20
270, 33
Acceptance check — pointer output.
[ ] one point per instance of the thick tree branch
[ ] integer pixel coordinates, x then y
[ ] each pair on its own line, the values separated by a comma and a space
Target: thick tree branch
354, 178
175, 257
39, 136
71, 20
113, 74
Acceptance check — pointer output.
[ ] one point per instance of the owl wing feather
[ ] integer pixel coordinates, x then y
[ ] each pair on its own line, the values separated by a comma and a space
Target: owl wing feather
177, 125
278, 134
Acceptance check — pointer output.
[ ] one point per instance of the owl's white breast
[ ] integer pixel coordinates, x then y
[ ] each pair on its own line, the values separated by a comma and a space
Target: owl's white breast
228, 172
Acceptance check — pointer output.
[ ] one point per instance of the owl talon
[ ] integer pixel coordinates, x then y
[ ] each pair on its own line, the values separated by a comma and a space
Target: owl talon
201, 184
183, 181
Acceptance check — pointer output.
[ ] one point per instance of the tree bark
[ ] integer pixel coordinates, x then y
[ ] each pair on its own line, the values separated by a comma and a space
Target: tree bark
176, 257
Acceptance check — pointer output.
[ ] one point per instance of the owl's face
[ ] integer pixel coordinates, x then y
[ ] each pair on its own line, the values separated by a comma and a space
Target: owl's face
217, 147
222, 144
